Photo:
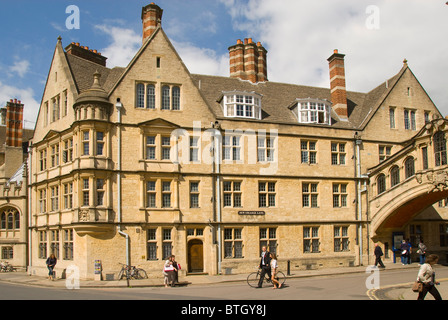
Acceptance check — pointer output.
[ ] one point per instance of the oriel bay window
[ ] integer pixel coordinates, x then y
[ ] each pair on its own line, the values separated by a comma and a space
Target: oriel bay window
93, 143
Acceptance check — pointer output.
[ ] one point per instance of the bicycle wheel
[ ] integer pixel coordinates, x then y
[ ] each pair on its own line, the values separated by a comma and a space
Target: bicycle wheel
122, 273
140, 274
281, 277
253, 279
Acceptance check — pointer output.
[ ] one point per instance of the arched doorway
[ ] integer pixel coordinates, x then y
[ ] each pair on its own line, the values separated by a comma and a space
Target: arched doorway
195, 256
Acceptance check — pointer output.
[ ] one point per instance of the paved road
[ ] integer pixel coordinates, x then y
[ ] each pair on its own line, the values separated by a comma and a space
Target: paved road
337, 287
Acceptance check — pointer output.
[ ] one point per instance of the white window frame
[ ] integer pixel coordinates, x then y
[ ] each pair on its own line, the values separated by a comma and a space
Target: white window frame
241, 104
311, 110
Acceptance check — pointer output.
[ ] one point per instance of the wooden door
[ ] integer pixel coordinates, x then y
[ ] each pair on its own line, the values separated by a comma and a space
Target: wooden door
195, 256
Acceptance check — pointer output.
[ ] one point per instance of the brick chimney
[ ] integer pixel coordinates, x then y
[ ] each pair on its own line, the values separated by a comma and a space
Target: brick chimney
151, 19
86, 53
248, 61
337, 84
14, 123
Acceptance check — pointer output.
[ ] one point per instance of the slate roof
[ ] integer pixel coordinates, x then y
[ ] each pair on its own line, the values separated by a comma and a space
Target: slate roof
83, 71
277, 97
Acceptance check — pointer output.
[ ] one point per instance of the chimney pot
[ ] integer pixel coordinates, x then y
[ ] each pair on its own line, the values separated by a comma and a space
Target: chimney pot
248, 62
14, 123
338, 85
151, 19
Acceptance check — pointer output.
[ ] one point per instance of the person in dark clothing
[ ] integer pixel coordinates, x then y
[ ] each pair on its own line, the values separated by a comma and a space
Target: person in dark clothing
51, 263
176, 271
378, 254
404, 252
265, 265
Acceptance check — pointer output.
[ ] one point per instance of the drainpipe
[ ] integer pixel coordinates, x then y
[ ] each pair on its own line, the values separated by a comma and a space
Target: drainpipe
217, 160
29, 177
119, 106
358, 143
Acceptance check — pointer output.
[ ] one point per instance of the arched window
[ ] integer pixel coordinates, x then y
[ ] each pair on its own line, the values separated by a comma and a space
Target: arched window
150, 96
394, 176
176, 98
440, 148
10, 221
140, 95
17, 221
381, 183
166, 104
409, 168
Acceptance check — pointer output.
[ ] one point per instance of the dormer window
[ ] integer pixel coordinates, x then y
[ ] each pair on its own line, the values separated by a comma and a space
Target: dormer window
242, 105
313, 111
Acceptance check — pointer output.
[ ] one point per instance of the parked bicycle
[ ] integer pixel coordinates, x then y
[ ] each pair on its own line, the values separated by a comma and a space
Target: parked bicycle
254, 278
131, 272
6, 267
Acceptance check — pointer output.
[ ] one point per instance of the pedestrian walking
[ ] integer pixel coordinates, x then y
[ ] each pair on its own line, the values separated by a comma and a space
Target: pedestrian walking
274, 267
427, 276
422, 251
265, 265
176, 269
378, 252
168, 272
404, 252
51, 263
408, 255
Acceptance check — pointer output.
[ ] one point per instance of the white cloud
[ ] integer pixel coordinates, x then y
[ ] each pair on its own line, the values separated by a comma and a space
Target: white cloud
20, 67
124, 46
300, 35
202, 60
31, 106
126, 43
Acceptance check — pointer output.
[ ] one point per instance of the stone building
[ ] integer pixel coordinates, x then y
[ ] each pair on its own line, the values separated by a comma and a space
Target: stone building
132, 164
13, 185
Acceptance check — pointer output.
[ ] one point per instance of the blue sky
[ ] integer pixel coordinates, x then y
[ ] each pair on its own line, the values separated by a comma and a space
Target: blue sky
375, 35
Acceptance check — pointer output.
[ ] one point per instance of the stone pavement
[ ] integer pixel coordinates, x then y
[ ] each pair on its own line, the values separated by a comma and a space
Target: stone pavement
396, 292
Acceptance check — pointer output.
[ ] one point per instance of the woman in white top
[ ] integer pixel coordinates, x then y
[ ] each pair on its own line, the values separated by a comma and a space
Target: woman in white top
274, 267
427, 276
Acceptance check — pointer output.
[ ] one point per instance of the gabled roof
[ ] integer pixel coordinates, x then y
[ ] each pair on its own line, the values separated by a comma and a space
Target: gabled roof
277, 98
